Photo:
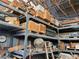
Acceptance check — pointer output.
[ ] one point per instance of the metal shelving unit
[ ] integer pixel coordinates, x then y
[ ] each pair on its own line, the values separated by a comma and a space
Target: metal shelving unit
69, 51
66, 39
27, 33
69, 27
10, 27
63, 39
36, 35
4, 25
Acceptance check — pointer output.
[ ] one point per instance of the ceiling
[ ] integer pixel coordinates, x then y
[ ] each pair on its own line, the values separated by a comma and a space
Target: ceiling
61, 9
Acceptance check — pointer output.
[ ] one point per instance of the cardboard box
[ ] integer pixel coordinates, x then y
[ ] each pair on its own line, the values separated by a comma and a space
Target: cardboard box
12, 20
42, 28
72, 45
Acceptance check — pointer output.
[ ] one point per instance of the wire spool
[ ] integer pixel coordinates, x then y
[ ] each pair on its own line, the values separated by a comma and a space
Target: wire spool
39, 43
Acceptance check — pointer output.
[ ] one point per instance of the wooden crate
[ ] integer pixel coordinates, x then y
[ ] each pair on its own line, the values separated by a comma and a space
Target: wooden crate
12, 20
5, 1
46, 15
52, 21
33, 26
72, 45
42, 28
39, 14
15, 4
62, 46
32, 12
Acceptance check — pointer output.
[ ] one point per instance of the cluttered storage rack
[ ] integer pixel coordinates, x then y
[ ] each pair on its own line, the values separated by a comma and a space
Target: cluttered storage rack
69, 39
28, 36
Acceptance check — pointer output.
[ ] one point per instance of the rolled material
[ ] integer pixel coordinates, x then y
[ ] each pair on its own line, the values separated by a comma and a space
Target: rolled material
39, 43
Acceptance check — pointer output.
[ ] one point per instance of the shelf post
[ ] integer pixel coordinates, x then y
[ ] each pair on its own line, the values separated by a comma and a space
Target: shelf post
26, 37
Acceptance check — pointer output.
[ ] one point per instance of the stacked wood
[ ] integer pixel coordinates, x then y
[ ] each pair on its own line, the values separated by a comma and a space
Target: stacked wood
12, 20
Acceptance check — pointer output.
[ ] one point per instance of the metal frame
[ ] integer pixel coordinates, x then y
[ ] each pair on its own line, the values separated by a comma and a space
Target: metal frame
27, 33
